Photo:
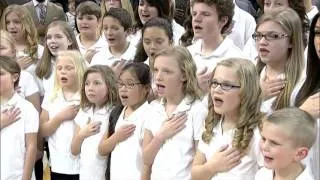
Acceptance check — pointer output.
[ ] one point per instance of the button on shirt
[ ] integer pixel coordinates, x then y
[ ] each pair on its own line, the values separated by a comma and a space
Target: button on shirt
250, 162
173, 160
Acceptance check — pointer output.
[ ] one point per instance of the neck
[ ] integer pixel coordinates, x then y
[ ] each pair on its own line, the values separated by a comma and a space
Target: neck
20, 44
88, 39
288, 173
272, 72
210, 44
229, 121
308, 5
174, 100
69, 90
120, 49
130, 109
5, 97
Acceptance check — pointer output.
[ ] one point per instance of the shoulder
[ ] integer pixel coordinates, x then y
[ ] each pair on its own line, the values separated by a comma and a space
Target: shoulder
264, 174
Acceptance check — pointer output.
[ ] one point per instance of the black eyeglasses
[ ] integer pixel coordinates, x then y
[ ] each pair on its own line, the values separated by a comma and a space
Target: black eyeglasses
129, 85
223, 86
269, 36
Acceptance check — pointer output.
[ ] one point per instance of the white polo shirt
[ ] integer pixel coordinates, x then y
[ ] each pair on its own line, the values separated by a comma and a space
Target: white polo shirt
105, 57
266, 105
91, 163
32, 68
61, 159
27, 84
268, 174
250, 162
46, 85
127, 155
13, 144
178, 31
243, 28
225, 50
99, 45
173, 160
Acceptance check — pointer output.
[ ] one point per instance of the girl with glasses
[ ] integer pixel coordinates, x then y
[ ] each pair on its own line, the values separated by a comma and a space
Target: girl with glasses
280, 62
125, 135
229, 146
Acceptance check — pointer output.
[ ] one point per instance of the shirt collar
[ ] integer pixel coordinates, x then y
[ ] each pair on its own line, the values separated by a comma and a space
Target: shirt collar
218, 52
35, 3
136, 114
74, 100
184, 105
12, 102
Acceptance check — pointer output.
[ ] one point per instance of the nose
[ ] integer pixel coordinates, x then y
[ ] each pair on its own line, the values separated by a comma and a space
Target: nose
158, 76
264, 145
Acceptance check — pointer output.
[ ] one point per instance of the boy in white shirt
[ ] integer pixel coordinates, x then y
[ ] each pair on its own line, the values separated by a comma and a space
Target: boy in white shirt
211, 20
287, 136
88, 16
115, 25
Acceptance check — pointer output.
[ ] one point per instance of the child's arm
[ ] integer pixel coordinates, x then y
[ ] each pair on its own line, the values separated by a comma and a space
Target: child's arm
48, 127
35, 100
152, 144
80, 134
30, 155
9, 116
107, 144
223, 160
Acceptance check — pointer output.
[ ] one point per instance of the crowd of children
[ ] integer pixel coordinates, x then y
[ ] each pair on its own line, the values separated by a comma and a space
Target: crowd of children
125, 93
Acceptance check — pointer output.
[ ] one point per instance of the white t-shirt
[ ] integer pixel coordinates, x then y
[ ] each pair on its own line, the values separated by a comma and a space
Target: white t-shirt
266, 105
99, 45
32, 68
13, 144
61, 159
105, 57
267, 174
249, 163
178, 31
173, 160
243, 28
91, 163
126, 157
225, 50
27, 84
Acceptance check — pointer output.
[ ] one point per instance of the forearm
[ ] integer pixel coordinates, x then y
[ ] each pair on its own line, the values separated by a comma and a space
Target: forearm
146, 173
151, 150
107, 145
49, 127
29, 160
4, 123
202, 172
76, 144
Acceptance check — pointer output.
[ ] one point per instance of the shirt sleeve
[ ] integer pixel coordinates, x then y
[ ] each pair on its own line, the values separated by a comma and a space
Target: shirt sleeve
30, 85
81, 118
46, 102
31, 119
199, 115
202, 146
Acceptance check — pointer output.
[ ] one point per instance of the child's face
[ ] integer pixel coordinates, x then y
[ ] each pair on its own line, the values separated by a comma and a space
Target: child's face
276, 147
317, 37
7, 82
130, 91
57, 40
14, 26
146, 12
112, 4
72, 6
6, 49
270, 5
205, 21
154, 40
66, 72
272, 51
226, 102
87, 24
168, 76
96, 89
114, 31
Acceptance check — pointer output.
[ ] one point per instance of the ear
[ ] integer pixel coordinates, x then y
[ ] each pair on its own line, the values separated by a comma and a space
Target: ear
301, 153
69, 43
183, 78
223, 21
15, 77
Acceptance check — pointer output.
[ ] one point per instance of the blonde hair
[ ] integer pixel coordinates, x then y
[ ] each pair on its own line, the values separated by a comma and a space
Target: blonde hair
109, 78
80, 67
28, 27
299, 125
250, 102
290, 22
125, 4
188, 69
5, 36
44, 68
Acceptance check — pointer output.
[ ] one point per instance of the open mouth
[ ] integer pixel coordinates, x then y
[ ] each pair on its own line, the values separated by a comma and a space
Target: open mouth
124, 97
217, 101
267, 159
64, 79
196, 27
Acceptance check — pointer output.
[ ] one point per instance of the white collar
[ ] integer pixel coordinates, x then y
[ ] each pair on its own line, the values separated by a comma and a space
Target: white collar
12, 101
35, 3
218, 52
183, 106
